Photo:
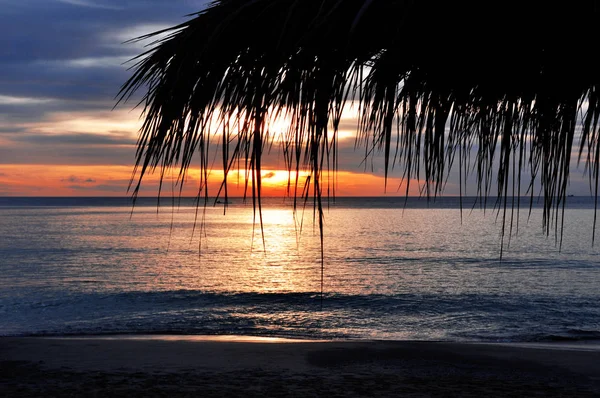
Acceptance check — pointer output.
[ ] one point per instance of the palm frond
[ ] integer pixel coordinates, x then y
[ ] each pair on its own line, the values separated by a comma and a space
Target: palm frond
513, 83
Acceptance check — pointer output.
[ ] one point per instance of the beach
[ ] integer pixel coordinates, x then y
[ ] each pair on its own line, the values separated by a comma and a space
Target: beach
247, 366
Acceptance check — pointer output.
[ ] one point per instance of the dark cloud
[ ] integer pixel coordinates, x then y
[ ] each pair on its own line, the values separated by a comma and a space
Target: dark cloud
59, 30
269, 175
115, 188
75, 139
78, 180
73, 49
26, 147
102, 187
35, 153
11, 129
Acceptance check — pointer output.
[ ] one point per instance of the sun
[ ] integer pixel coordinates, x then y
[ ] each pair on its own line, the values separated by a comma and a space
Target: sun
280, 178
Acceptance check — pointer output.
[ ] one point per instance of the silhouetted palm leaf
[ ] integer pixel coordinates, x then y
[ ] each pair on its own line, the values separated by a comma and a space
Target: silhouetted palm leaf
515, 83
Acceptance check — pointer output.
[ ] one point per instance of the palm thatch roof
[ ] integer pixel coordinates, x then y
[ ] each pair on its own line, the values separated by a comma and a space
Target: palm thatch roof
495, 89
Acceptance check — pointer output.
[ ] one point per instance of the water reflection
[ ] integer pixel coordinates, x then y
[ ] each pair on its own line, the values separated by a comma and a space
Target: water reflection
389, 273
367, 251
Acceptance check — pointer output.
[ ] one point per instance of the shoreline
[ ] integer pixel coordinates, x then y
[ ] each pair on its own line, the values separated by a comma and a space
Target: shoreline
183, 365
579, 345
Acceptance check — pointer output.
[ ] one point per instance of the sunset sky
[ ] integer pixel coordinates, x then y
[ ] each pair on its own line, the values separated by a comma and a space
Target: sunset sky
62, 64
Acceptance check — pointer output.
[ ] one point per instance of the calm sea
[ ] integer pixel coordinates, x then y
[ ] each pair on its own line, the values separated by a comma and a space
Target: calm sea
414, 271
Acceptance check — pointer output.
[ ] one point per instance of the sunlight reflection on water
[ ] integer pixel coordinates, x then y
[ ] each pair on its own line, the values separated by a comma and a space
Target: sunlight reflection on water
384, 251
389, 273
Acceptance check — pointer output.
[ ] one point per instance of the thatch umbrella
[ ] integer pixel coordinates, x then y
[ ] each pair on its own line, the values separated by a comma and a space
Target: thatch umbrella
498, 88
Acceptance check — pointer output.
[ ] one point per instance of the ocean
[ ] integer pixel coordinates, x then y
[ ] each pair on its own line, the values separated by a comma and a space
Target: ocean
392, 270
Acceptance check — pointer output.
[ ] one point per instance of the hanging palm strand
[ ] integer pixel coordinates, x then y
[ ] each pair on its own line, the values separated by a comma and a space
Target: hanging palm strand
501, 88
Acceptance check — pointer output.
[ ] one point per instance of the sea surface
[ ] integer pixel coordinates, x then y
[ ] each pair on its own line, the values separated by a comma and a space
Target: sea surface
414, 270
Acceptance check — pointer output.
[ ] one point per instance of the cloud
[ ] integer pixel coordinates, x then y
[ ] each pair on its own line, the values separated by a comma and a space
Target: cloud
78, 180
90, 4
75, 139
112, 188
88, 62
40, 154
22, 101
125, 38
12, 129
268, 175
81, 58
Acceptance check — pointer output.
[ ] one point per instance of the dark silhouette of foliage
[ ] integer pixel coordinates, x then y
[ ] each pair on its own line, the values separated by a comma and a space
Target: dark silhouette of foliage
514, 83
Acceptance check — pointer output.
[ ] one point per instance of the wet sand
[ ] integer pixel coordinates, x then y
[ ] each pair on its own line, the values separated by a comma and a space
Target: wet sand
194, 366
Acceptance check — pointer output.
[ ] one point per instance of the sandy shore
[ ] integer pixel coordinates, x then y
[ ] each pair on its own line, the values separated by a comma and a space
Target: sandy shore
192, 366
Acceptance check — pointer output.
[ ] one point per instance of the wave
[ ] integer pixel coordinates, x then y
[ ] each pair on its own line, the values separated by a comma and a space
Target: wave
461, 317
569, 335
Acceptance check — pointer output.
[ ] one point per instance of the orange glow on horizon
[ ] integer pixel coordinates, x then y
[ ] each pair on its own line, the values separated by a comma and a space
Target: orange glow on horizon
68, 180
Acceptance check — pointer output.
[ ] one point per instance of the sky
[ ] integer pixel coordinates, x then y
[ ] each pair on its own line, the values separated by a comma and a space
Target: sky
62, 63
